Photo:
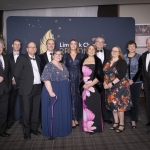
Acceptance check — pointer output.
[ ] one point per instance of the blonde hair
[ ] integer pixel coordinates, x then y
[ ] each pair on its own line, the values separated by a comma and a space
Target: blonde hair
120, 53
69, 48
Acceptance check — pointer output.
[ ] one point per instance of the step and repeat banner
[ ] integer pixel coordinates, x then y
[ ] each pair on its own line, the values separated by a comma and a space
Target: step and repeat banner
116, 31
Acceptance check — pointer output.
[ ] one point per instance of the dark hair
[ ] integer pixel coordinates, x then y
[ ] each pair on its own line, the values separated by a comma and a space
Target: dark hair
16, 40
69, 48
86, 50
131, 42
49, 40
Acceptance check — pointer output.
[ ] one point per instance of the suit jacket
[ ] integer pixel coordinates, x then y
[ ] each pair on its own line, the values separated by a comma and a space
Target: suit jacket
24, 73
44, 60
12, 65
5, 84
144, 72
98, 73
106, 56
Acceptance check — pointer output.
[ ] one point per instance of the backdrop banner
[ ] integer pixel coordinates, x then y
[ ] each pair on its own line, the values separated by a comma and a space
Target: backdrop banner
115, 30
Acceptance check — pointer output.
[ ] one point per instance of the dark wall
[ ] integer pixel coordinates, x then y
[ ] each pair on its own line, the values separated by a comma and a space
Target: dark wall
1, 21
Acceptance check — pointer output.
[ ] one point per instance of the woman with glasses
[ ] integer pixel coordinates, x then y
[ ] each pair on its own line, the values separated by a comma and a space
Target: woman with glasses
117, 88
56, 99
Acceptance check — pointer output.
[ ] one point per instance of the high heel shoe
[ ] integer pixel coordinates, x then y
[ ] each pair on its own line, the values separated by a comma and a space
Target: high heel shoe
114, 127
120, 130
73, 127
133, 127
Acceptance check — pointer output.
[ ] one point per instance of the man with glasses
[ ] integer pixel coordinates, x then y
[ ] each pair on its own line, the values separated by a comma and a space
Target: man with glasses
27, 76
104, 55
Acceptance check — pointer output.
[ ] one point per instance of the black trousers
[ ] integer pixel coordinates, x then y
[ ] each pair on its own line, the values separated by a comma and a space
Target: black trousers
106, 114
11, 104
3, 112
147, 94
135, 95
31, 107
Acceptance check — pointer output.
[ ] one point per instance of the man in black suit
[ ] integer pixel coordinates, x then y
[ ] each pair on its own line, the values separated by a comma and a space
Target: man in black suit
4, 91
47, 56
16, 45
104, 55
146, 77
27, 76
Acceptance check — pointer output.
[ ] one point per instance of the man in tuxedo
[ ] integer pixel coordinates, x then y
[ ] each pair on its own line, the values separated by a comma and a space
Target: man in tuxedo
47, 56
16, 45
27, 76
104, 55
4, 91
146, 77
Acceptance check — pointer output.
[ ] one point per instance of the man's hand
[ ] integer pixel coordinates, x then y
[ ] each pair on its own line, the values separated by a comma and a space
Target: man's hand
1, 78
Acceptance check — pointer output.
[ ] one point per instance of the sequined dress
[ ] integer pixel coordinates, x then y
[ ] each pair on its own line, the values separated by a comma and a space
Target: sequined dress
61, 124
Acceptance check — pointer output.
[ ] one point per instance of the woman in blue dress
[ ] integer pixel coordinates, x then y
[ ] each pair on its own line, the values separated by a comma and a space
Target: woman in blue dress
72, 61
56, 100
134, 71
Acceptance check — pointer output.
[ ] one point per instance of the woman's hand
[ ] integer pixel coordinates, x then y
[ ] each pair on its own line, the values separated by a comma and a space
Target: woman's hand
105, 85
110, 85
131, 82
86, 86
52, 94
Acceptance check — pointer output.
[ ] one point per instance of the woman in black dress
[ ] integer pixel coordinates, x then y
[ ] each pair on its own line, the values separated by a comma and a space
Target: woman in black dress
117, 88
92, 79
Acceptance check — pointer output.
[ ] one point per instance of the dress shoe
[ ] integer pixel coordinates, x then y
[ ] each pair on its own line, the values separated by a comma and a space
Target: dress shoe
108, 121
133, 127
5, 134
27, 136
36, 132
148, 132
8, 126
148, 124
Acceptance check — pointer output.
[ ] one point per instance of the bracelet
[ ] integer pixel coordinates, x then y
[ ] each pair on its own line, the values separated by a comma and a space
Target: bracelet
112, 83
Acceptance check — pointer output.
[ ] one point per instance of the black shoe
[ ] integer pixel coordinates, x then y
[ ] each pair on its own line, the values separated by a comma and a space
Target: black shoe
148, 132
133, 127
36, 132
8, 126
108, 121
5, 134
73, 127
148, 124
27, 136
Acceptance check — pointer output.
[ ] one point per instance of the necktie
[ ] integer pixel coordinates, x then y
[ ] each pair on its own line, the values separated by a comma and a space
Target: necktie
100, 50
1, 64
51, 55
32, 58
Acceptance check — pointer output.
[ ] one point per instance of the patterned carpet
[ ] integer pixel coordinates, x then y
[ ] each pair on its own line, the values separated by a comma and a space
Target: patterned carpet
130, 139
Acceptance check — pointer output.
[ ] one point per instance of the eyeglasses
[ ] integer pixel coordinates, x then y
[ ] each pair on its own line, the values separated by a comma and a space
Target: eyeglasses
100, 41
58, 54
31, 47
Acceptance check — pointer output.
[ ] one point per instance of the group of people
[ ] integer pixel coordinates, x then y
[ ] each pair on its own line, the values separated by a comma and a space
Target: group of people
72, 86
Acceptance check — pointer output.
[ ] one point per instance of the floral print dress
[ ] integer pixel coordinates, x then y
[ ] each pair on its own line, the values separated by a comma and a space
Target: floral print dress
92, 115
118, 97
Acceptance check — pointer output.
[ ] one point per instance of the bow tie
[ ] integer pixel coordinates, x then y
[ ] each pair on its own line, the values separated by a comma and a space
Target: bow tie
32, 58
51, 53
100, 50
148, 52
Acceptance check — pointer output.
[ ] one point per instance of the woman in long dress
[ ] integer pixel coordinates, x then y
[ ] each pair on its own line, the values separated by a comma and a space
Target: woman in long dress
56, 99
92, 79
117, 88
72, 61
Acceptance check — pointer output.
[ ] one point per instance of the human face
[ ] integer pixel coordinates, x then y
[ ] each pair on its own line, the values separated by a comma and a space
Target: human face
73, 45
115, 52
91, 51
16, 46
148, 45
50, 45
31, 49
99, 43
57, 56
131, 48
1, 48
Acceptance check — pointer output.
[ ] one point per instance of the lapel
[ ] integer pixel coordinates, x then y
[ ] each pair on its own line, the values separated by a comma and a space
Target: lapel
12, 57
104, 55
29, 62
144, 61
45, 56
6, 64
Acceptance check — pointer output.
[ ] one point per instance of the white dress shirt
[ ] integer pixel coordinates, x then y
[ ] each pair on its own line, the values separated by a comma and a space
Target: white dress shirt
100, 55
16, 54
49, 56
2, 60
36, 73
147, 61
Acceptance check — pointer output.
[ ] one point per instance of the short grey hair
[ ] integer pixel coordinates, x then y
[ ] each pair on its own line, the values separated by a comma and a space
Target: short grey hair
99, 38
147, 39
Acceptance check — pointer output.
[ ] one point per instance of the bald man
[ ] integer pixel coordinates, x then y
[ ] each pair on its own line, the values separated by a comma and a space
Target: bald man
27, 76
